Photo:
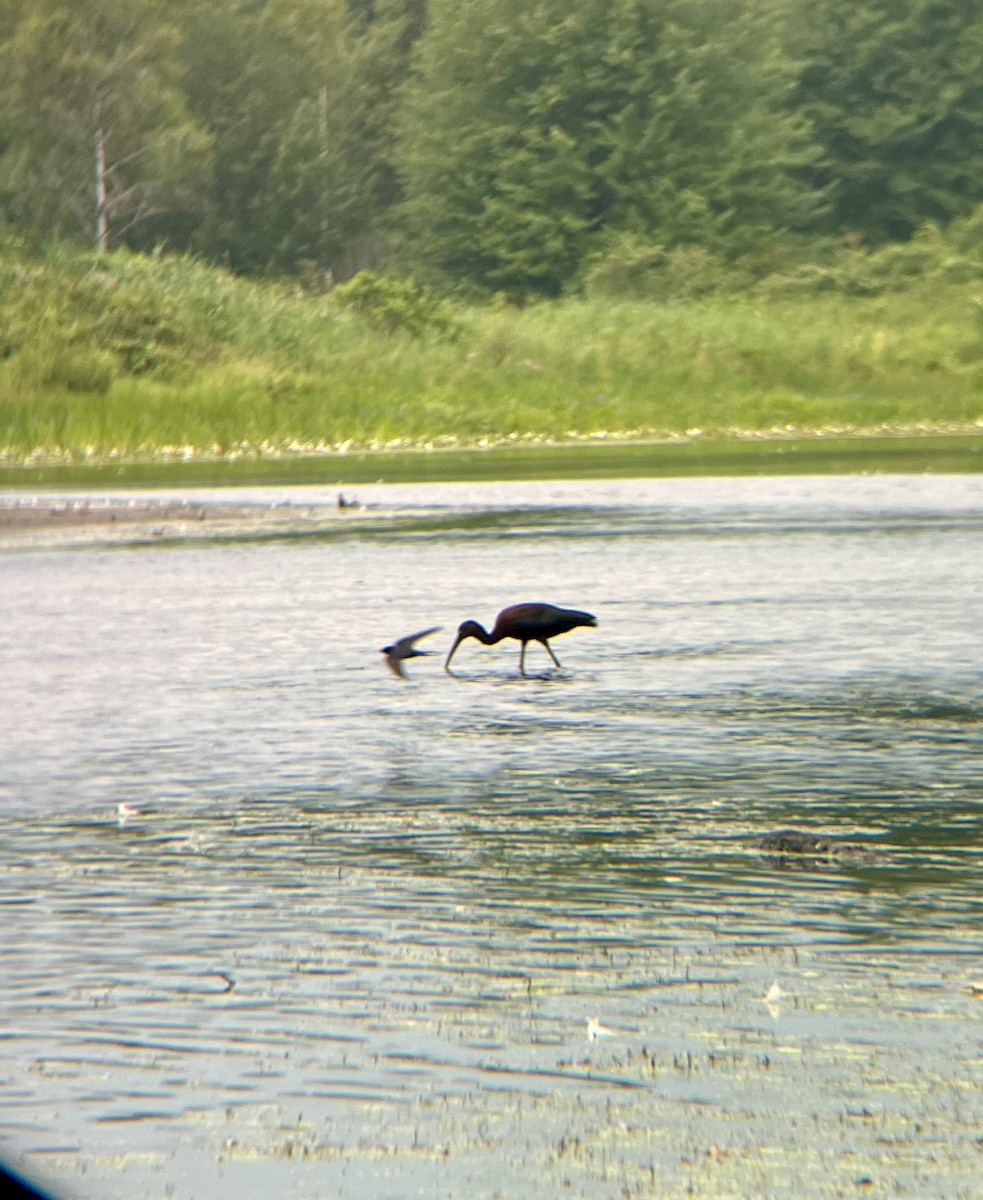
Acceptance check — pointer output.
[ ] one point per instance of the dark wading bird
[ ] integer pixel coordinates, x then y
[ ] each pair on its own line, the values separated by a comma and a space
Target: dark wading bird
399, 651
525, 623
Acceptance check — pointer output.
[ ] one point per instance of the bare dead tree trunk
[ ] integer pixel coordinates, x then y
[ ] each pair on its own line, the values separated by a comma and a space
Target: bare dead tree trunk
102, 214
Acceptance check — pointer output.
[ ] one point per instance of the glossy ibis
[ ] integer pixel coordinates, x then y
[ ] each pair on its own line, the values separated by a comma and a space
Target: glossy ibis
525, 623
399, 651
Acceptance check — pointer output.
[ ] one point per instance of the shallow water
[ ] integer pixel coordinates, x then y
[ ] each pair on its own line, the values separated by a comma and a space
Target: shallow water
599, 458
349, 938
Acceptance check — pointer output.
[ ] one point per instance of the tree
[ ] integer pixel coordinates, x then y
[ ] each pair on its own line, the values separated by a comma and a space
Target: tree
96, 130
532, 127
245, 74
299, 98
333, 178
894, 92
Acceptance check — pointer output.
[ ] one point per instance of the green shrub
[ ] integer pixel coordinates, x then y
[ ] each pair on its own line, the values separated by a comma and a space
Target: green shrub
398, 306
633, 269
933, 255
965, 235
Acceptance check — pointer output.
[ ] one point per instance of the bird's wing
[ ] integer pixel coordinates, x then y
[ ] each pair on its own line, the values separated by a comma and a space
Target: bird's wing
395, 665
406, 643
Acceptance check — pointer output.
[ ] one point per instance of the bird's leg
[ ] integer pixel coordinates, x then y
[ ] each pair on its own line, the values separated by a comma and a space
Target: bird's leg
551, 654
522, 659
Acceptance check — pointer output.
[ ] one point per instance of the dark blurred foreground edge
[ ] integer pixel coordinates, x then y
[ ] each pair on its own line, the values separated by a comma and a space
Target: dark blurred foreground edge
17, 1187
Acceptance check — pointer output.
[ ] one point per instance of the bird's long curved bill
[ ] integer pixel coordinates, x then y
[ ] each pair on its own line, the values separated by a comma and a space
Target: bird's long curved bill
450, 654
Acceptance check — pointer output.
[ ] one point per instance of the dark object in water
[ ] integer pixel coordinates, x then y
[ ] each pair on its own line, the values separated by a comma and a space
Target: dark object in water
794, 849
531, 622
792, 841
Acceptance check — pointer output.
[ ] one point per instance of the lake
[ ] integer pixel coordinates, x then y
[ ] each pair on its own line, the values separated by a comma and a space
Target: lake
481, 935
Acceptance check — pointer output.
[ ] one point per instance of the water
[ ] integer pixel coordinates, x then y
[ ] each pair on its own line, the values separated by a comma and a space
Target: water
348, 933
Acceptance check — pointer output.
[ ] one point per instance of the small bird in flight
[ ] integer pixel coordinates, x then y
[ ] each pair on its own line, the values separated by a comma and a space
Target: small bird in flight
399, 651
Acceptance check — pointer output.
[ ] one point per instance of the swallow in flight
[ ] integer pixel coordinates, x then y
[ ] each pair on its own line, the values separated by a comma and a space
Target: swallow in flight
399, 651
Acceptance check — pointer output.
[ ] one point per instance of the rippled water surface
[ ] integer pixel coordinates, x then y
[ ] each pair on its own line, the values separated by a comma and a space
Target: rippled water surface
490, 936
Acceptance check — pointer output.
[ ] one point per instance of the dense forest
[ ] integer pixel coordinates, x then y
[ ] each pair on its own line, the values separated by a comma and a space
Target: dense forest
510, 146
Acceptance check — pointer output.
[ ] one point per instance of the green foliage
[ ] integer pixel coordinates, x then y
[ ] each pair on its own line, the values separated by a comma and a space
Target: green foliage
166, 318
87, 79
633, 269
246, 73
393, 305
137, 356
964, 236
894, 93
630, 267
300, 101
529, 130
932, 257
333, 178
50, 364
522, 146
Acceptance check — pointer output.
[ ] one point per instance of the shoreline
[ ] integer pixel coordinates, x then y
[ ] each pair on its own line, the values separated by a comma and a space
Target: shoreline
292, 451
40, 521
905, 451
105, 511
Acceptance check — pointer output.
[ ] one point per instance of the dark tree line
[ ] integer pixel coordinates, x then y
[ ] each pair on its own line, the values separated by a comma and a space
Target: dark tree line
492, 143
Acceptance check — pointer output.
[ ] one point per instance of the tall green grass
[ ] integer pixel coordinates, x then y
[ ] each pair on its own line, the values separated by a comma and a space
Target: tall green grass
138, 357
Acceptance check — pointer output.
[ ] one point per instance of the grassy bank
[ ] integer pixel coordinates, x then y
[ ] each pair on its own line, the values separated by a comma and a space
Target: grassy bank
146, 358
